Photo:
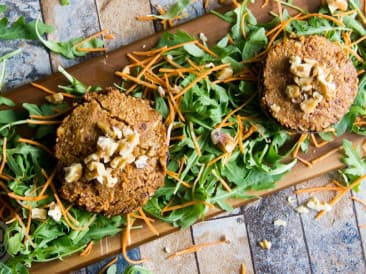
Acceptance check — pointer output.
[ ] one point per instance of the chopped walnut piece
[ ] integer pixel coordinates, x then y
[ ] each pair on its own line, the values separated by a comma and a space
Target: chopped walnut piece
223, 140
56, 98
334, 5
73, 173
39, 213
309, 105
293, 92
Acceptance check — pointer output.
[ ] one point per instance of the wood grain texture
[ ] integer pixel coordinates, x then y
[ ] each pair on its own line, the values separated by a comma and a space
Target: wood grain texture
33, 62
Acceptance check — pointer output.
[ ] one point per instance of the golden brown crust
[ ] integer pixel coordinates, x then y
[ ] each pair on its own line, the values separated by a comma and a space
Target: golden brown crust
277, 77
77, 137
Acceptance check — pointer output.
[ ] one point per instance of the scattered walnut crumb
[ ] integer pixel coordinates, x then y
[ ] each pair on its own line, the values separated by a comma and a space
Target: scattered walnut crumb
265, 244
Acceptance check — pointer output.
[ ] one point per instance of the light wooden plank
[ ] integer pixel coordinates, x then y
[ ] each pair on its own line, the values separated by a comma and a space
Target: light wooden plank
194, 10
79, 19
288, 252
333, 241
157, 251
119, 17
33, 62
234, 253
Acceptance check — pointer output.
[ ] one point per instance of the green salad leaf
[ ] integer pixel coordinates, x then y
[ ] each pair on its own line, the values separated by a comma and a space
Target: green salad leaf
20, 29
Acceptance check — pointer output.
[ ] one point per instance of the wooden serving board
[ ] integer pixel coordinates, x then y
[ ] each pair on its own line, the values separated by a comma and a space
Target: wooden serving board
100, 71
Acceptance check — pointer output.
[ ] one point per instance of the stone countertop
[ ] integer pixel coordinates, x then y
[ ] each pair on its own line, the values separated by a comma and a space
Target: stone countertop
334, 244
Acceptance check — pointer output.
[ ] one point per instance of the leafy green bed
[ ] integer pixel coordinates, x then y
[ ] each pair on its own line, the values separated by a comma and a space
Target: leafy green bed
257, 162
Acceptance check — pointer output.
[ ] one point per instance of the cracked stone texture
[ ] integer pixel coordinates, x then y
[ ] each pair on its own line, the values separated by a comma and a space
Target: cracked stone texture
122, 23
33, 62
158, 250
194, 10
334, 241
79, 19
288, 252
233, 228
361, 213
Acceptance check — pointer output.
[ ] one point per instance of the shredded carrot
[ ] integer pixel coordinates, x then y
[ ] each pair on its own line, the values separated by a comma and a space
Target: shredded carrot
361, 71
236, 110
126, 240
149, 65
111, 262
88, 249
47, 183
210, 163
362, 202
171, 115
298, 144
148, 222
240, 133
222, 181
184, 205
3, 161
136, 80
242, 269
362, 226
162, 49
340, 195
251, 130
27, 198
48, 117
307, 163
176, 108
199, 78
43, 122
64, 213
43, 88
194, 139
200, 45
90, 38
315, 142
35, 143
279, 7
317, 189
325, 155
26, 235
176, 177
195, 248
91, 49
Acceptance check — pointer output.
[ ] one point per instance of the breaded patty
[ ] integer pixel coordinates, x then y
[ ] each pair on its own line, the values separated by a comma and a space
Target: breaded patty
112, 153
309, 83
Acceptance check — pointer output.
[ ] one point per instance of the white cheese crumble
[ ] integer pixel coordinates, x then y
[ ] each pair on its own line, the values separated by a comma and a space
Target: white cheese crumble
280, 222
54, 212
39, 213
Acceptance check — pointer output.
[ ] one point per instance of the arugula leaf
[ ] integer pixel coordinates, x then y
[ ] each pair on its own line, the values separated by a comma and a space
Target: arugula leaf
21, 29
135, 269
356, 166
76, 87
6, 101
174, 11
68, 49
64, 2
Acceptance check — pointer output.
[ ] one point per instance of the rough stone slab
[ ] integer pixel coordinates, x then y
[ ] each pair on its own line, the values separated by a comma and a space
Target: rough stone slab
288, 252
156, 253
194, 10
234, 253
33, 62
361, 213
334, 241
119, 17
79, 19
